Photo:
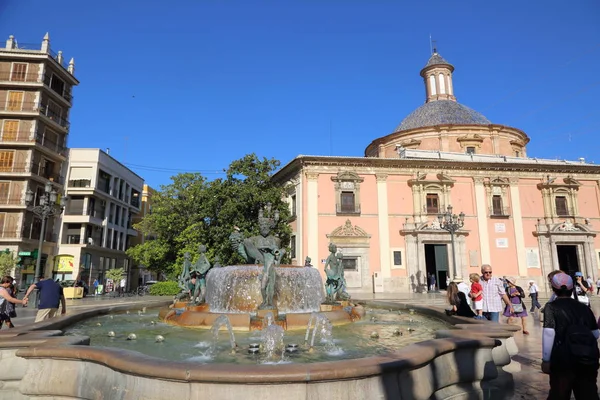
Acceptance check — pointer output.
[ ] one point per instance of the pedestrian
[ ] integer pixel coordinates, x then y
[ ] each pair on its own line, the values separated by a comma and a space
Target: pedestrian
533, 293
590, 283
458, 301
476, 294
50, 297
122, 287
95, 285
582, 288
463, 287
517, 308
6, 301
569, 344
493, 294
598, 286
447, 282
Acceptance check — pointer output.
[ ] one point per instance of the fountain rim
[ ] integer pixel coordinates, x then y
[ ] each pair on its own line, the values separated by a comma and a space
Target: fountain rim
44, 340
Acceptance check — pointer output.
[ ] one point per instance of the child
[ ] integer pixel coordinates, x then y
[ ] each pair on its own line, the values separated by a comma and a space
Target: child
477, 295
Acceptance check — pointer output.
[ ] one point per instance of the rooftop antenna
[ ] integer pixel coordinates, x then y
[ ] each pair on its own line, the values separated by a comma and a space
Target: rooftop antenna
433, 43
330, 139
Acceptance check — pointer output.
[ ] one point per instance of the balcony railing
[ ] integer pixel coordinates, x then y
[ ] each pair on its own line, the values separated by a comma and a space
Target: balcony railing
568, 212
499, 212
34, 169
19, 137
10, 234
65, 93
20, 106
52, 145
17, 77
345, 210
11, 201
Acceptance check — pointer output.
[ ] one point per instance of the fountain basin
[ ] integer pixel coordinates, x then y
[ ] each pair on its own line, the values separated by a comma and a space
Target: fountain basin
236, 289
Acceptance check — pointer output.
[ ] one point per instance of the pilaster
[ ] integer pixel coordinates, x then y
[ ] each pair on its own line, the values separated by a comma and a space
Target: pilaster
383, 223
482, 220
312, 209
515, 203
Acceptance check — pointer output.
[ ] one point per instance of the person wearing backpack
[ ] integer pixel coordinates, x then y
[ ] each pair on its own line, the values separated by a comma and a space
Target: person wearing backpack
569, 344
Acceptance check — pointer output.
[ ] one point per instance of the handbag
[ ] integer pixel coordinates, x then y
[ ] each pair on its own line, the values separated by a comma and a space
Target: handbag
518, 308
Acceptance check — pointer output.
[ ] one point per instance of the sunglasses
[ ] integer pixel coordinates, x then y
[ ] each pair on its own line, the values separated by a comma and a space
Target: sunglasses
487, 272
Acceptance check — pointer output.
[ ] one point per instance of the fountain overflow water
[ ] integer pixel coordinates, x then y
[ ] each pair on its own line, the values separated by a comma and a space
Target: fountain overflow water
223, 320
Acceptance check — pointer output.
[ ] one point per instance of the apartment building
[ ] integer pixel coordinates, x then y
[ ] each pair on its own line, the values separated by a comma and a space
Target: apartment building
35, 99
103, 198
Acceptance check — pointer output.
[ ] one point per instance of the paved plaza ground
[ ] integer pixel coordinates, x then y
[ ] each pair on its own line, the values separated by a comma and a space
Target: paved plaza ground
523, 379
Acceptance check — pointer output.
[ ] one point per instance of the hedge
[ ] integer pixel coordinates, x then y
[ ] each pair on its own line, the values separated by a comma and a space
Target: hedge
168, 288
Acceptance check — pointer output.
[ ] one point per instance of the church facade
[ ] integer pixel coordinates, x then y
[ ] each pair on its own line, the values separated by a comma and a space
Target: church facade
524, 216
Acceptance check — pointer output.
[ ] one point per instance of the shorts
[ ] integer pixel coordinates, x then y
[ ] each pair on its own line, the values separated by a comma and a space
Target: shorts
478, 304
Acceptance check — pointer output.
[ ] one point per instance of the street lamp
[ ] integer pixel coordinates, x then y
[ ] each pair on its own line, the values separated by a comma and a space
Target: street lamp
451, 223
45, 209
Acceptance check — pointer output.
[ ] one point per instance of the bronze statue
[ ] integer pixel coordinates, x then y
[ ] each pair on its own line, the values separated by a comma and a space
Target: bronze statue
263, 249
200, 270
185, 276
335, 286
307, 262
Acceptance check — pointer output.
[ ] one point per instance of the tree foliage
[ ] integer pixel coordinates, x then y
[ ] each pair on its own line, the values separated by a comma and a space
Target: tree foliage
115, 274
8, 261
192, 211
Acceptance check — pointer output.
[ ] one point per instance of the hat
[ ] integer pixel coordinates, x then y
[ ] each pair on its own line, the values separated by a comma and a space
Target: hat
531, 281
562, 280
579, 274
457, 279
508, 279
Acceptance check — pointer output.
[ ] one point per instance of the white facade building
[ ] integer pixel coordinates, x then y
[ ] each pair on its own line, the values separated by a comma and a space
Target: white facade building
103, 197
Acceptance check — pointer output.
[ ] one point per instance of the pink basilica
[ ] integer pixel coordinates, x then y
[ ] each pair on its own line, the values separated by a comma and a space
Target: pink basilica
385, 212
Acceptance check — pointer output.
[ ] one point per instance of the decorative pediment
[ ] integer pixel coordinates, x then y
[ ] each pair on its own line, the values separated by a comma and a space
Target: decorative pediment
570, 181
517, 143
421, 179
566, 226
498, 181
347, 176
347, 230
470, 140
410, 144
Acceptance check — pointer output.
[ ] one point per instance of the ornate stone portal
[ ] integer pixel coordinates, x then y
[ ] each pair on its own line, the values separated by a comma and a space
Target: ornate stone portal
355, 244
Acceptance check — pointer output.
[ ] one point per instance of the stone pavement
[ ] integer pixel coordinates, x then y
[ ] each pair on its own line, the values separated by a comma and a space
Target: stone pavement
525, 370
524, 373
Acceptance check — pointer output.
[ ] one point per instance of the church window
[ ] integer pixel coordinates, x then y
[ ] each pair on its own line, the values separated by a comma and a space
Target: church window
471, 150
561, 204
497, 197
397, 258
433, 204
432, 89
347, 193
442, 83
497, 208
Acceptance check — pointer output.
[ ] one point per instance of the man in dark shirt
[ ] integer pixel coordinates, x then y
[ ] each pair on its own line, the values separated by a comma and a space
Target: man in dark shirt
567, 373
50, 295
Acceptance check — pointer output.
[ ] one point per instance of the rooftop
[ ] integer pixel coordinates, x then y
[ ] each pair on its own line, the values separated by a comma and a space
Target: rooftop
442, 112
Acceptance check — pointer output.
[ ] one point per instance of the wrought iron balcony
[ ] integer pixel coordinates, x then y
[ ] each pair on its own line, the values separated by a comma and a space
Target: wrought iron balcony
43, 109
499, 212
20, 77
345, 210
65, 93
18, 137
32, 168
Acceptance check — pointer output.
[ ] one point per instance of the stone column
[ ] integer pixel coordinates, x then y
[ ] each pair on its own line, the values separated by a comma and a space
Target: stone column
300, 256
588, 256
515, 203
554, 252
420, 263
411, 257
384, 228
461, 255
312, 209
482, 220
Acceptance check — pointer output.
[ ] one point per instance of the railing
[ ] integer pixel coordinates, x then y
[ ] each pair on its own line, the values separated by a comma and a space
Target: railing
12, 201
19, 106
565, 213
499, 212
347, 210
10, 234
52, 145
18, 77
44, 109
19, 136
80, 183
66, 93
32, 168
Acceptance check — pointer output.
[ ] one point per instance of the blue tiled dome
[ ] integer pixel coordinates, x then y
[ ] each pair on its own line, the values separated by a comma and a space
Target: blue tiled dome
441, 112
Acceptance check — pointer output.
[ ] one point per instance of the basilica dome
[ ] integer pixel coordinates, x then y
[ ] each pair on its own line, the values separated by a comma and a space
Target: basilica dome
442, 112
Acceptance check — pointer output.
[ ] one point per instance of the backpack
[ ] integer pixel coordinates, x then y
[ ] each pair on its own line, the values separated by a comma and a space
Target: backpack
581, 345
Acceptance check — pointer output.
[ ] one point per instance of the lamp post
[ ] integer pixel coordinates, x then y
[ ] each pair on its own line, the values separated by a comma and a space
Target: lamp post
45, 209
451, 223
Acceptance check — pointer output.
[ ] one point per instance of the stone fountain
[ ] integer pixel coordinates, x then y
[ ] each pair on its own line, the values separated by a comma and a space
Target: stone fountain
247, 293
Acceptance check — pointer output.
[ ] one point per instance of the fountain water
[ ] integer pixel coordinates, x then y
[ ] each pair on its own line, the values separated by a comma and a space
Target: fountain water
323, 328
272, 340
221, 321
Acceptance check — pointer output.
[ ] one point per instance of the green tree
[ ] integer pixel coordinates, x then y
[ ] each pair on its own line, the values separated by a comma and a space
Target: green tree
192, 211
8, 261
115, 274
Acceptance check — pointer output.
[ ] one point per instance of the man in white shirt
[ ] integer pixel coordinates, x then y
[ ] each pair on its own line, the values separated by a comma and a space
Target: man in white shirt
122, 287
533, 293
493, 294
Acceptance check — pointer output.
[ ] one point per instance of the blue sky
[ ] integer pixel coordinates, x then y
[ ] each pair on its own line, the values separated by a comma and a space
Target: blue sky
194, 84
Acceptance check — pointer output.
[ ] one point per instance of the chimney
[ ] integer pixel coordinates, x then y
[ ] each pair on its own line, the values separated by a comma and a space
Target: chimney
71, 67
10, 43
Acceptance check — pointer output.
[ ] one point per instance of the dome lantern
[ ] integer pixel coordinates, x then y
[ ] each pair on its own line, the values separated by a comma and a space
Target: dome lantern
437, 75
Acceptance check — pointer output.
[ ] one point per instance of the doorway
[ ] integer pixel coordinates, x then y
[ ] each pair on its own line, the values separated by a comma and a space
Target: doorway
436, 263
567, 258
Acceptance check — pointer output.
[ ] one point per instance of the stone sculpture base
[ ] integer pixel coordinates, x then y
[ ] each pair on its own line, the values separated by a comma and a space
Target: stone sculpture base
191, 317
